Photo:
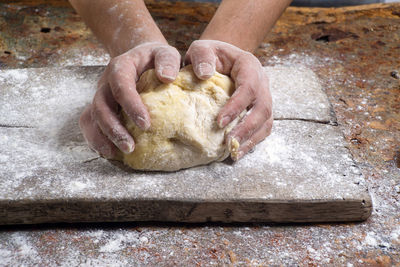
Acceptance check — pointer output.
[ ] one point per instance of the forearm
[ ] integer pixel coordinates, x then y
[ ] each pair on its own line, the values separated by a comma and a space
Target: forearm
244, 23
119, 25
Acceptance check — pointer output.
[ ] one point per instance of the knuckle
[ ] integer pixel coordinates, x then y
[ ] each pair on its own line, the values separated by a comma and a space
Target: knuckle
250, 144
196, 44
116, 135
109, 127
252, 89
201, 52
114, 72
83, 122
236, 105
105, 150
167, 53
267, 112
117, 90
252, 124
172, 51
233, 104
265, 132
246, 58
96, 111
111, 132
269, 127
248, 127
265, 77
176, 52
85, 116
114, 64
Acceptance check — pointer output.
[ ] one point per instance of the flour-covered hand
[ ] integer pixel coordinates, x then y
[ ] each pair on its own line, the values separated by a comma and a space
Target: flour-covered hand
100, 122
251, 93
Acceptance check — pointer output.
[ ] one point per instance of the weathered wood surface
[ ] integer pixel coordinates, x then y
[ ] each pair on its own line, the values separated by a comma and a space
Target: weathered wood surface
302, 173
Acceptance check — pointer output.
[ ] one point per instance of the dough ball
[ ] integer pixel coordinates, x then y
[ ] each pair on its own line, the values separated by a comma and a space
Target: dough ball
184, 131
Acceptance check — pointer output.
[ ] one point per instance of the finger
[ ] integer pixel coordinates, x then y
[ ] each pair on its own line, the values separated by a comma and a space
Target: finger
104, 114
122, 79
167, 63
254, 119
94, 137
203, 60
247, 82
239, 101
256, 138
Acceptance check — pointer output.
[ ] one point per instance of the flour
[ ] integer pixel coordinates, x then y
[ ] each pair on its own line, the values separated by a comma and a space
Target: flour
112, 245
14, 76
77, 186
370, 239
395, 235
55, 148
296, 93
75, 57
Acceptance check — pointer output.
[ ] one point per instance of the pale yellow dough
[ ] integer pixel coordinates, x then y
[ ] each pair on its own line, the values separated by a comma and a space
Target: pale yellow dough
184, 131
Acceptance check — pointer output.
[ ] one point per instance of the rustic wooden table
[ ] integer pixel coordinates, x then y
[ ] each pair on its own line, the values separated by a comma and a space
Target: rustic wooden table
355, 51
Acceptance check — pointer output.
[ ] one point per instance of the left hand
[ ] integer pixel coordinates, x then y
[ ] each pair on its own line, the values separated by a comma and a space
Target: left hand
251, 93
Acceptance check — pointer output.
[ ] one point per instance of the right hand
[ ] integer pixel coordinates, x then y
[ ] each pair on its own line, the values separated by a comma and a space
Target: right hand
100, 121
251, 94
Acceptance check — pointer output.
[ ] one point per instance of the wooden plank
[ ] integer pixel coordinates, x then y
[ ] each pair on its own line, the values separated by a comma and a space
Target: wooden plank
302, 173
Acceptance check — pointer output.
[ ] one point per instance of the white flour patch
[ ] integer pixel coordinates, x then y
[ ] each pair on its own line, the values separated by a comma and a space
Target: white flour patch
370, 239
77, 57
277, 151
112, 245
5, 256
14, 76
78, 186
395, 234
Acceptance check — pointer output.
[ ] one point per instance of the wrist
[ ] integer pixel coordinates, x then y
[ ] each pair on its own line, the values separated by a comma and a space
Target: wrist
227, 38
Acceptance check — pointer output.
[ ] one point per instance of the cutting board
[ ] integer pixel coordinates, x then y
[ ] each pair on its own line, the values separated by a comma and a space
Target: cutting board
303, 172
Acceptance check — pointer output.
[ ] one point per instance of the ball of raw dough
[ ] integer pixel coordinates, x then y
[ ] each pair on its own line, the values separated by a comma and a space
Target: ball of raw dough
184, 131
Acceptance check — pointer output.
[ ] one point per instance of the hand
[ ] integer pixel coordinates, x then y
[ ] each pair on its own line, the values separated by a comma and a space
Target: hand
251, 93
100, 121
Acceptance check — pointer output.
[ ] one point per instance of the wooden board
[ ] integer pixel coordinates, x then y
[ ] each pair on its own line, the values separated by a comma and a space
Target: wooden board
302, 173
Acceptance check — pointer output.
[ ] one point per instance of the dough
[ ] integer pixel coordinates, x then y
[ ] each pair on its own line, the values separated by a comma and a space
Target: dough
184, 131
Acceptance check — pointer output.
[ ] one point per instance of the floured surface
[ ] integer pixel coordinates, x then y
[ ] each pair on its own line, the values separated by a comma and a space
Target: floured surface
29, 96
296, 158
44, 156
296, 93
44, 96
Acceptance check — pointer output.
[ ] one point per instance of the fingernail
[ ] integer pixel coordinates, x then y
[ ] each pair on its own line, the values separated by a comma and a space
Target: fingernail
127, 147
169, 74
142, 123
224, 121
205, 69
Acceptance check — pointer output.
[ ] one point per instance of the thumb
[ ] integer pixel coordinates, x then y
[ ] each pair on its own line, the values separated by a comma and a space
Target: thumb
203, 60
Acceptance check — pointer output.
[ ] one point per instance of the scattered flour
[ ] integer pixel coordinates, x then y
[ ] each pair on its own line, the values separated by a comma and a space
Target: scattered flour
395, 234
112, 245
77, 186
370, 239
51, 103
14, 76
